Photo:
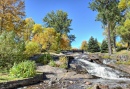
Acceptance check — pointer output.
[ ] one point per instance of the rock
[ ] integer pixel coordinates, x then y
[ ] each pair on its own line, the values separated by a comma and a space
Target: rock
94, 57
71, 82
81, 70
99, 86
88, 83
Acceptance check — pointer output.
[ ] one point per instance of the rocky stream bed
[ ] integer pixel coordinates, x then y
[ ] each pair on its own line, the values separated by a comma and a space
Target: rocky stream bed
77, 77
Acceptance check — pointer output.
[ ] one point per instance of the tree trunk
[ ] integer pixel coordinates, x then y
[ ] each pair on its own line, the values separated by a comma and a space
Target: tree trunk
128, 46
109, 40
114, 43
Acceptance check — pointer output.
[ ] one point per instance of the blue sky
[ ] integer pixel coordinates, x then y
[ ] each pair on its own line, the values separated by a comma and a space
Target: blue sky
83, 19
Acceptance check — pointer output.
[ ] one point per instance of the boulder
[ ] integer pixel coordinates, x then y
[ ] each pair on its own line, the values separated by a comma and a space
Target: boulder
99, 86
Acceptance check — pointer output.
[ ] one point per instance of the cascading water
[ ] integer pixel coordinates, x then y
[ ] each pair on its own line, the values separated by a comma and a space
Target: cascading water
101, 70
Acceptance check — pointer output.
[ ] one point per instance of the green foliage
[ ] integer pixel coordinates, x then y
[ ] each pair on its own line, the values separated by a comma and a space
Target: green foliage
63, 66
44, 59
124, 28
108, 14
93, 45
61, 23
11, 50
104, 47
24, 69
32, 48
52, 63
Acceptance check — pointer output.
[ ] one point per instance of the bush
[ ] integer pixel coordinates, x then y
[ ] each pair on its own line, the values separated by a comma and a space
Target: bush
52, 63
32, 48
63, 59
64, 62
120, 48
44, 59
63, 66
24, 69
11, 50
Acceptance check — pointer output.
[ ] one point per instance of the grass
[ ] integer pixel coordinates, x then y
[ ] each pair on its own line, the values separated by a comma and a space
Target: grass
123, 62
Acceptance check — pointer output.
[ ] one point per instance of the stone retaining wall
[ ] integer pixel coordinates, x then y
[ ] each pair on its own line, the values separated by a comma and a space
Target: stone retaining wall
21, 83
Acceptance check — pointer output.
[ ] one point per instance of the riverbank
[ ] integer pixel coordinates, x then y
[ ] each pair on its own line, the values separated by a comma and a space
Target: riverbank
58, 78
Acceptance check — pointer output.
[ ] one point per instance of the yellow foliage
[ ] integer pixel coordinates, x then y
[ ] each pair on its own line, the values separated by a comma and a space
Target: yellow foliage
118, 44
11, 13
37, 28
63, 59
84, 45
127, 23
122, 4
45, 38
32, 48
65, 42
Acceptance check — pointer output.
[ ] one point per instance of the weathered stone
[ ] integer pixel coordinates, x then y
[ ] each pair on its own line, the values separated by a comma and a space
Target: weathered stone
88, 83
71, 82
94, 56
99, 86
24, 82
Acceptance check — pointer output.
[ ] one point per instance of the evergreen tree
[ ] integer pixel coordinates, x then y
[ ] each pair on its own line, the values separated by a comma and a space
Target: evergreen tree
93, 45
97, 48
109, 15
104, 47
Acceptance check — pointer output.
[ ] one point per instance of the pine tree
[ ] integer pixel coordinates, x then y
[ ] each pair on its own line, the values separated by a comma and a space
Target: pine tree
97, 48
93, 45
104, 47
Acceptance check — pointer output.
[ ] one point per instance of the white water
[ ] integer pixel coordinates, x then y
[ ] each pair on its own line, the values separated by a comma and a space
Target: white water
101, 70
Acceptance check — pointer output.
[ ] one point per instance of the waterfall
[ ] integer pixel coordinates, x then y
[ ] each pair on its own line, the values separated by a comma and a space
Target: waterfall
101, 70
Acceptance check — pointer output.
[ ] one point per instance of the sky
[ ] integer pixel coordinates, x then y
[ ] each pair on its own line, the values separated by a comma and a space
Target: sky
83, 18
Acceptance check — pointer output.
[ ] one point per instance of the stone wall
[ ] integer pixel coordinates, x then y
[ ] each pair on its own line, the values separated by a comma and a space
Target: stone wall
21, 83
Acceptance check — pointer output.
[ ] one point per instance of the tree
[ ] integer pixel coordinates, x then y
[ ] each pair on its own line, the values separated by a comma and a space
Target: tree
11, 50
60, 22
124, 4
84, 46
65, 42
29, 23
123, 29
45, 38
11, 15
108, 14
93, 45
104, 47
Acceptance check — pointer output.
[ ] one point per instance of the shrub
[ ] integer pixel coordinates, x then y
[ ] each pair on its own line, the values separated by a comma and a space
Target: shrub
52, 63
64, 62
120, 48
63, 59
11, 50
32, 48
63, 66
44, 59
24, 69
